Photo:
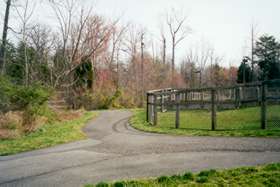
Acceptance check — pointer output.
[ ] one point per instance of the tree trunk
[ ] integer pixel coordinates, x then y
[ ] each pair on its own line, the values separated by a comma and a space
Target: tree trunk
142, 71
173, 61
4, 37
164, 51
244, 74
93, 74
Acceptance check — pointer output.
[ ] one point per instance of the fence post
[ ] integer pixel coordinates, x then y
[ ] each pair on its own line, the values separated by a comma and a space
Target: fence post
177, 122
213, 110
259, 95
155, 109
162, 102
200, 98
147, 107
151, 108
237, 97
264, 107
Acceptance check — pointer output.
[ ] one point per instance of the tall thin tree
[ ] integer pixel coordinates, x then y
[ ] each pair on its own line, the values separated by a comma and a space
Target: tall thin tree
142, 68
253, 52
4, 37
178, 31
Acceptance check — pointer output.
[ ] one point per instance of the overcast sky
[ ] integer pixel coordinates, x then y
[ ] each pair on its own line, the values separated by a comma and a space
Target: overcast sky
225, 24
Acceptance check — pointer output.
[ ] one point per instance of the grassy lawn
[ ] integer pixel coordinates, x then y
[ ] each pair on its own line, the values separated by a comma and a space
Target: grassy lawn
48, 135
268, 175
242, 122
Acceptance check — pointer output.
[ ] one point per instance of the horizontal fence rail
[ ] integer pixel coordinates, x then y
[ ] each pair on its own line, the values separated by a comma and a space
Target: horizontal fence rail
213, 99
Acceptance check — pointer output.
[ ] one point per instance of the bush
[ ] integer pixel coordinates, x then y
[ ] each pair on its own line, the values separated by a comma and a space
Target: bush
202, 179
126, 100
6, 91
98, 100
29, 99
91, 101
17, 97
163, 179
188, 176
272, 167
119, 184
207, 173
176, 177
102, 184
102, 98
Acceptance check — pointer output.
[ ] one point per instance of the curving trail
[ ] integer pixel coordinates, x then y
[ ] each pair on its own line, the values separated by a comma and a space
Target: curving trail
115, 151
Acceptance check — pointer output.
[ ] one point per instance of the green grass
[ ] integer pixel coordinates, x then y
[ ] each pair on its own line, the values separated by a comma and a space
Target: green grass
268, 175
242, 122
48, 135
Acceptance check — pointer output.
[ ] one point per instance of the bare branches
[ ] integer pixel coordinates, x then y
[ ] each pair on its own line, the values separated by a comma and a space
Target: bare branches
25, 12
178, 31
201, 54
203, 59
177, 26
64, 11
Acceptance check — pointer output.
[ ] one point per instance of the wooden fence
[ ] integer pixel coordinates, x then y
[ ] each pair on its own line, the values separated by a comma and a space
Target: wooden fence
233, 97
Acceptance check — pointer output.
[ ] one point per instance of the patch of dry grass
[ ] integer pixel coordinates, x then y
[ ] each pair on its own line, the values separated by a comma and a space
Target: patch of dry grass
50, 134
11, 125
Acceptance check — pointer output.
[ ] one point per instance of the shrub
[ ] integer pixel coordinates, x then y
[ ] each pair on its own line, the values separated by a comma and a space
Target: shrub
30, 96
29, 99
119, 184
202, 179
92, 101
6, 91
207, 173
126, 100
102, 184
272, 167
188, 176
98, 100
176, 177
250, 170
163, 179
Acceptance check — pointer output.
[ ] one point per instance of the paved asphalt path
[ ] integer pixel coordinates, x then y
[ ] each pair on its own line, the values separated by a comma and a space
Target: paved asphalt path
116, 151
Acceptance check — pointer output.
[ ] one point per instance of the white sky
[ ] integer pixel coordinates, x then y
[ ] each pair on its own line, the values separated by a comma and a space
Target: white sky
225, 24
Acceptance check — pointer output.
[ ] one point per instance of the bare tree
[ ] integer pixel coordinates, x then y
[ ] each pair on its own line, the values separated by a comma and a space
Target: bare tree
201, 56
75, 25
116, 41
132, 47
164, 50
178, 31
25, 12
253, 40
163, 41
142, 68
97, 42
41, 40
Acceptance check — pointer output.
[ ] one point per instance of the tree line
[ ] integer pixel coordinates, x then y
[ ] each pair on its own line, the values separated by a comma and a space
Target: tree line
100, 63
264, 63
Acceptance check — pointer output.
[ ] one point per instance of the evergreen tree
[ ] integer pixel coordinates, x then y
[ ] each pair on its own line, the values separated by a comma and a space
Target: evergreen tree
240, 73
267, 52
